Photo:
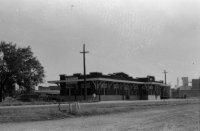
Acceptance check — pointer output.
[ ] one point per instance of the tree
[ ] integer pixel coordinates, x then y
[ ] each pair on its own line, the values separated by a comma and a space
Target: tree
18, 66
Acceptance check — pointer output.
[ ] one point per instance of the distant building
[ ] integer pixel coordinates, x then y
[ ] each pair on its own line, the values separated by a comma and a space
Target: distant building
51, 90
177, 82
48, 88
185, 81
187, 91
185, 85
195, 84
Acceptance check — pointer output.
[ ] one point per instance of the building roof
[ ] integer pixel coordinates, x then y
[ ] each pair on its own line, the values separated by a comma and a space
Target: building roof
105, 79
118, 77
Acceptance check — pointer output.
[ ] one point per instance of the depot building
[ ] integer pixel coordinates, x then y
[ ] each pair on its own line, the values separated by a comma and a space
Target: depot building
116, 86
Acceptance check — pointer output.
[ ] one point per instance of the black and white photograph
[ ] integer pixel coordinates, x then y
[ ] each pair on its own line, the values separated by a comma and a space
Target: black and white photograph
99, 65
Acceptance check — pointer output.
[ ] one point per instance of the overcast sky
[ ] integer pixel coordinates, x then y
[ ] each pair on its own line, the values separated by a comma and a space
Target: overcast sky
138, 37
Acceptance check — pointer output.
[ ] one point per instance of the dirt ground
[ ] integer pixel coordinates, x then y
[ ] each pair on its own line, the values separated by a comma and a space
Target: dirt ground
163, 118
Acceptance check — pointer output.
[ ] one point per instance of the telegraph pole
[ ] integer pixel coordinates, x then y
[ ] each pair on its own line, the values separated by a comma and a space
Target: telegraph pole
165, 72
84, 71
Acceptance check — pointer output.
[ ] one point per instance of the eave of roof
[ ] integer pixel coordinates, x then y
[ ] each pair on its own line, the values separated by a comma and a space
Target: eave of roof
104, 79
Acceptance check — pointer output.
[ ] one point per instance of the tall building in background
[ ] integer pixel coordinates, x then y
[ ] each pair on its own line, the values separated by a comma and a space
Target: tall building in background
185, 81
177, 82
185, 84
195, 84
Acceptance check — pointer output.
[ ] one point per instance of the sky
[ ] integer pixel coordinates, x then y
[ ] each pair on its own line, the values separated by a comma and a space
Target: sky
138, 37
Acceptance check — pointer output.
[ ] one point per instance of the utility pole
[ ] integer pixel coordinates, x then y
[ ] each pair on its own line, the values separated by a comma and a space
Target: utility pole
165, 72
84, 71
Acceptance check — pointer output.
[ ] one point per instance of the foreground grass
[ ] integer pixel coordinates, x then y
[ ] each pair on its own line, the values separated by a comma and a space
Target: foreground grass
52, 112
20, 103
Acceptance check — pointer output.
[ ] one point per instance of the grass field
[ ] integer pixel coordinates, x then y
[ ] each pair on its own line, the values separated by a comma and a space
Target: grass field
49, 112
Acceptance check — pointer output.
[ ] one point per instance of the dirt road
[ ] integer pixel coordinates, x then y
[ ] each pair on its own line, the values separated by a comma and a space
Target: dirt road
161, 118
